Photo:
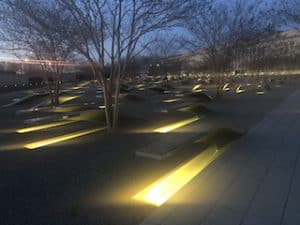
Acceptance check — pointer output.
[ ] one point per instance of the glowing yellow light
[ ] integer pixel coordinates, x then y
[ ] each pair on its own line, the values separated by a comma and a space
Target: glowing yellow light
226, 87
260, 92
196, 87
62, 138
42, 127
239, 90
171, 100
101, 107
164, 188
197, 91
139, 86
65, 99
177, 125
81, 85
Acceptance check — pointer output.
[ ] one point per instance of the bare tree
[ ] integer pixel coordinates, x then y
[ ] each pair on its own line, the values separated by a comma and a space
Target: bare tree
210, 35
163, 49
112, 32
33, 29
220, 29
136, 66
290, 10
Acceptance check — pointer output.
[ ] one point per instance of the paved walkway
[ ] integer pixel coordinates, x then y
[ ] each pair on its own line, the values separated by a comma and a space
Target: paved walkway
255, 182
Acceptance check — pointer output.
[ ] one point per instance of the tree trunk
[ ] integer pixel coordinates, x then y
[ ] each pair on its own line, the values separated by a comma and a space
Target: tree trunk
108, 105
52, 99
220, 84
56, 92
116, 104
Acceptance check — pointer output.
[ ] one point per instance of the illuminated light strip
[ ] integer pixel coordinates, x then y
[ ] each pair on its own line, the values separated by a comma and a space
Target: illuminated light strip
139, 86
196, 87
177, 125
67, 99
239, 90
171, 100
226, 87
62, 138
164, 188
82, 85
42, 127
75, 88
197, 91
260, 92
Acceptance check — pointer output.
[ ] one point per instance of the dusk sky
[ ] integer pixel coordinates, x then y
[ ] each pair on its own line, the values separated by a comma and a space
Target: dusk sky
266, 4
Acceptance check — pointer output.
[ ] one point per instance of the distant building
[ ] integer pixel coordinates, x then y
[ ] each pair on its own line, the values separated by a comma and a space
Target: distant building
278, 52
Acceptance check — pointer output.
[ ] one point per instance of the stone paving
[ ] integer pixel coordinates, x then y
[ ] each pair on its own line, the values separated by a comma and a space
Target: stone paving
171, 142
255, 182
